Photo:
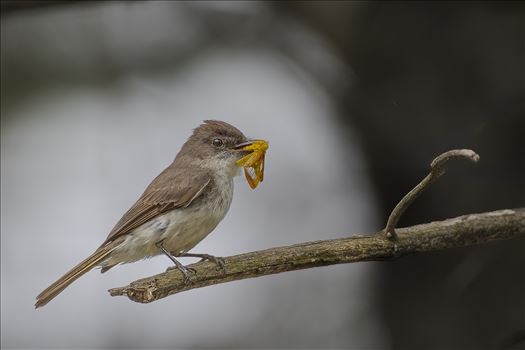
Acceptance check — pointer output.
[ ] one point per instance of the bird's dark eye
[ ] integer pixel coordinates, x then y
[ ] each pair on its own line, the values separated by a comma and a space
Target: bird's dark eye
217, 142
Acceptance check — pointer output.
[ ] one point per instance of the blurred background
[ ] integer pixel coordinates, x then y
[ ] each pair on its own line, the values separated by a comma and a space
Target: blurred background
356, 99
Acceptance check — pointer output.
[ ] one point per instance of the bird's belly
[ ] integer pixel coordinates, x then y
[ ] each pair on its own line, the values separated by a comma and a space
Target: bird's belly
185, 235
179, 230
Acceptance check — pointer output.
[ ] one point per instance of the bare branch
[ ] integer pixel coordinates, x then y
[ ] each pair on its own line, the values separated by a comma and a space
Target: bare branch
437, 169
452, 233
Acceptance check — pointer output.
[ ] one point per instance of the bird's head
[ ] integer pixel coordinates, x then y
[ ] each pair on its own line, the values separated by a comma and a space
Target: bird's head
218, 146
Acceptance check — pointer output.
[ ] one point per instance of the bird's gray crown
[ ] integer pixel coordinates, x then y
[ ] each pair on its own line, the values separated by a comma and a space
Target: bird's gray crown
212, 138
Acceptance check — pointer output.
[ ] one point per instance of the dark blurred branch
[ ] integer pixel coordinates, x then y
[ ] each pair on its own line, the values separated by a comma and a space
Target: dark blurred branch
452, 233
437, 169
16, 6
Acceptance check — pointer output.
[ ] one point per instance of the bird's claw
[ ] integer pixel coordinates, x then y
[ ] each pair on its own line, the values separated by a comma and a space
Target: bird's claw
184, 270
217, 260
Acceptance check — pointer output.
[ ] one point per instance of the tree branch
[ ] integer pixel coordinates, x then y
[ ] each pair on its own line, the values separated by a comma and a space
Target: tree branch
462, 231
384, 245
437, 169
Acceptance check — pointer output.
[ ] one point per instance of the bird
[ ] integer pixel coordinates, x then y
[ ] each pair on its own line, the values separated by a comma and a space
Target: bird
178, 209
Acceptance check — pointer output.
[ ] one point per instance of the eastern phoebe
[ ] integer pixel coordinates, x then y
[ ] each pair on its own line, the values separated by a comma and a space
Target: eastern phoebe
177, 210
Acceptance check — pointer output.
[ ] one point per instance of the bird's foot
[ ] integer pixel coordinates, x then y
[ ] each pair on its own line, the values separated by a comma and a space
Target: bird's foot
217, 260
184, 270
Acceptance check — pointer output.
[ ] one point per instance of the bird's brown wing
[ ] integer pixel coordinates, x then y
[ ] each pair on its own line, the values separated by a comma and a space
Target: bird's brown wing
173, 188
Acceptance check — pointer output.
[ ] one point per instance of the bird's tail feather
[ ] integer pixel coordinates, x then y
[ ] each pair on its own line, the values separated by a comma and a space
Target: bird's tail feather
63, 282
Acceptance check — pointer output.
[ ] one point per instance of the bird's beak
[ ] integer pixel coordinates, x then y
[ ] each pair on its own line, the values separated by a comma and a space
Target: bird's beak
252, 145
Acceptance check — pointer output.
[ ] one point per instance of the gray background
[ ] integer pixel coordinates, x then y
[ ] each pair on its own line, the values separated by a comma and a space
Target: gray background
355, 98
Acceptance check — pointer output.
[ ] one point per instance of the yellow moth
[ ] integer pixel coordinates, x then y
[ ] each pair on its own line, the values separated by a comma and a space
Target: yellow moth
253, 163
